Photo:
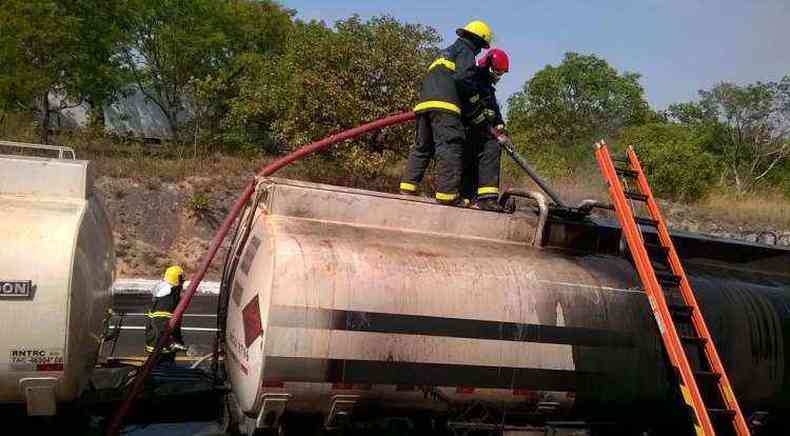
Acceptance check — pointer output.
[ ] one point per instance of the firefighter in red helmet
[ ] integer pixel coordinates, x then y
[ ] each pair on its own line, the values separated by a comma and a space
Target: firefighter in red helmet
482, 161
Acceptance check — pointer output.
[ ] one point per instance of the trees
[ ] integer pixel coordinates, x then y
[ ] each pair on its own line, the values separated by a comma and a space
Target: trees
57, 48
177, 46
577, 101
750, 126
329, 79
675, 158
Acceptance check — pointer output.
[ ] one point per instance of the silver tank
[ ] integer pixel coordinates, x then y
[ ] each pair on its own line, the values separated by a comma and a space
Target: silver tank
345, 300
56, 273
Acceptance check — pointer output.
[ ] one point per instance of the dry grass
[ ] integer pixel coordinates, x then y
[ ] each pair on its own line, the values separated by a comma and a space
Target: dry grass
766, 207
143, 168
123, 158
722, 207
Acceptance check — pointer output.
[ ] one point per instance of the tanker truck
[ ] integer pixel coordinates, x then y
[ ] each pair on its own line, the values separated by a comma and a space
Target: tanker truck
345, 304
56, 273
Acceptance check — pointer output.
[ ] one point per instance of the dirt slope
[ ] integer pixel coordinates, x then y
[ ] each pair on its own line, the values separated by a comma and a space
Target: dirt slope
159, 223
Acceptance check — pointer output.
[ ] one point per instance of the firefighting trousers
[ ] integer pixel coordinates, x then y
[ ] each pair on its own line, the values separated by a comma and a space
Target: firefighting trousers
155, 325
440, 134
481, 165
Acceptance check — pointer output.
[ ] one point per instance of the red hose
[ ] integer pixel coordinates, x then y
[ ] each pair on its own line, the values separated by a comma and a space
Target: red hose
150, 363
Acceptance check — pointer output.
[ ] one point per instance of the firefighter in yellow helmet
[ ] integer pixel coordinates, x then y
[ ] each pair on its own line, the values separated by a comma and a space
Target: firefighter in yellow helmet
164, 298
449, 85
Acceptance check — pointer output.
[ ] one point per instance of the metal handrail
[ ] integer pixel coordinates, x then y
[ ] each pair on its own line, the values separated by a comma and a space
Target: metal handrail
59, 148
543, 208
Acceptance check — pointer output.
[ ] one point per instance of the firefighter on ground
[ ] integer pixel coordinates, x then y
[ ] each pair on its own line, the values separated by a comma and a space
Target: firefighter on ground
440, 131
164, 298
482, 161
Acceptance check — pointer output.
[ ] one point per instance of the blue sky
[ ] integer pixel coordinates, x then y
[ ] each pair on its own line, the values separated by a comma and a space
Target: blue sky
678, 46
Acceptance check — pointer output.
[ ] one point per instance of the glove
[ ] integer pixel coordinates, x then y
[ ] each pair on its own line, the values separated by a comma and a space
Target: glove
503, 139
490, 115
482, 115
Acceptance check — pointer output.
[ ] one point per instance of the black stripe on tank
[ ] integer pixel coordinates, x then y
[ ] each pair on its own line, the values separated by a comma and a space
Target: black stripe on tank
376, 322
315, 370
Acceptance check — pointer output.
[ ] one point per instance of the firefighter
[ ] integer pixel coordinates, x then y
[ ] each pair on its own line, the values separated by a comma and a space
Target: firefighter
482, 161
165, 296
440, 130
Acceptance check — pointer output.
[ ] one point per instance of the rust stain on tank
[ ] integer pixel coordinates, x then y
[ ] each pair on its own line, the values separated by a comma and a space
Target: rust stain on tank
425, 254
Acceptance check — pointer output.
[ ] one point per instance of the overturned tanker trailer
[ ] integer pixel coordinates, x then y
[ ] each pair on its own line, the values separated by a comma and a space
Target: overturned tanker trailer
349, 303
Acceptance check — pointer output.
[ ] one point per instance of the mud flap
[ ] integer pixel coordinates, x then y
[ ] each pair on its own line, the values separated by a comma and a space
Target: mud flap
272, 410
340, 411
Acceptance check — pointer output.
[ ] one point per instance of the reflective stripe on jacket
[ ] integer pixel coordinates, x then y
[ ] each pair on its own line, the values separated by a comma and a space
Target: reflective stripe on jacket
450, 78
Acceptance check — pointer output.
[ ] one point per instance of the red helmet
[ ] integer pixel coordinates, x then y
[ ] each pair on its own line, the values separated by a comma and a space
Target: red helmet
497, 60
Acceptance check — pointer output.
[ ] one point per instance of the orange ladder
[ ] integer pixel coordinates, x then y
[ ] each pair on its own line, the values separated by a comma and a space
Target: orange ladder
672, 301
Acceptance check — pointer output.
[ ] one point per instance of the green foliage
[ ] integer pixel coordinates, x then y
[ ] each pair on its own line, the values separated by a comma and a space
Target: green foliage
190, 50
60, 48
327, 80
674, 158
198, 203
582, 99
749, 127
549, 162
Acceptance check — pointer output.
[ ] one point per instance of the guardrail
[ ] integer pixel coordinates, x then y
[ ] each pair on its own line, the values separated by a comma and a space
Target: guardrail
143, 286
60, 149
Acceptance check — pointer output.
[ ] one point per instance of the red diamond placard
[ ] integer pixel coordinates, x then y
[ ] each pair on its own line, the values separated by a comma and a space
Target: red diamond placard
251, 316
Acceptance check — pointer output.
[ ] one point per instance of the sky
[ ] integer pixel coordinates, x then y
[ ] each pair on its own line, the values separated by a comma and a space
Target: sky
679, 47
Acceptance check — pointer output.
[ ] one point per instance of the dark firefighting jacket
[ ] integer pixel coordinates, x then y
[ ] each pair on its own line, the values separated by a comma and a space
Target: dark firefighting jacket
482, 107
450, 78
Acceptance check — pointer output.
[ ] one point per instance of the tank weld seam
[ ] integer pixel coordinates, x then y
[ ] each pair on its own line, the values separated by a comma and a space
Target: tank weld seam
582, 285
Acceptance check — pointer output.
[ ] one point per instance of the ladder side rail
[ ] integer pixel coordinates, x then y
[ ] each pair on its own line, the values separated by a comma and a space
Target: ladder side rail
698, 321
655, 294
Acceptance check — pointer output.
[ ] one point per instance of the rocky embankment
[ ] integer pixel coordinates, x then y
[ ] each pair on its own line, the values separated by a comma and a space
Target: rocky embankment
159, 223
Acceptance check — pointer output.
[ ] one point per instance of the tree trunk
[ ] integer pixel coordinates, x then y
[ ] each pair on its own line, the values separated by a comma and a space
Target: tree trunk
740, 189
172, 120
96, 115
45, 111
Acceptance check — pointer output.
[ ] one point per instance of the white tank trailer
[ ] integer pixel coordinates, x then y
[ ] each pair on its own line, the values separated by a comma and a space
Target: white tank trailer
56, 273
344, 301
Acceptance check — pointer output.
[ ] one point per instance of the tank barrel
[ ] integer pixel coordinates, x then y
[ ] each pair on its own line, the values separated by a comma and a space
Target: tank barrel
115, 425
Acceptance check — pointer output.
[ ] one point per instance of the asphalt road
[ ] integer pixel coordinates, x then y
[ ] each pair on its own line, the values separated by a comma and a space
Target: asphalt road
131, 299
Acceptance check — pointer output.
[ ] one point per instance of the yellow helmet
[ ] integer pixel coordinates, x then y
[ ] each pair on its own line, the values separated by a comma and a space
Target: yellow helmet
479, 29
174, 275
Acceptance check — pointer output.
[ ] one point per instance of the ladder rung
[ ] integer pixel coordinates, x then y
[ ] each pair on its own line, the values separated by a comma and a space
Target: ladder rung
668, 279
694, 340
722, 412
638, 196
627, 172
681, 310
655, 248
708, 375
623, 159
646, 221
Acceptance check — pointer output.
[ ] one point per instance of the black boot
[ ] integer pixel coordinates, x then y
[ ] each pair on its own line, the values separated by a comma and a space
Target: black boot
489, 204
458, 202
